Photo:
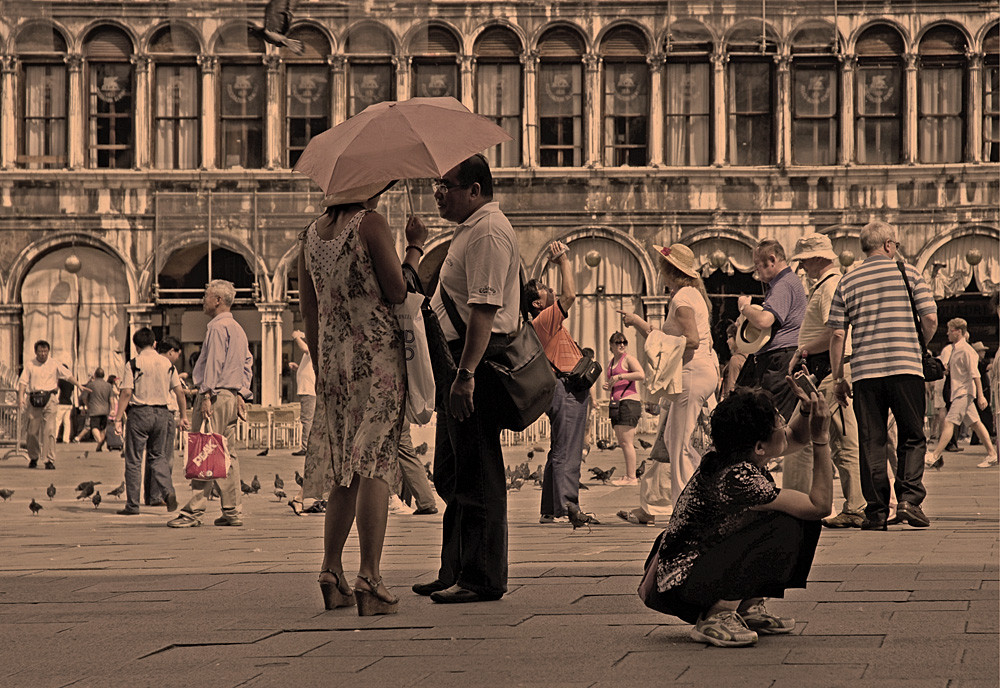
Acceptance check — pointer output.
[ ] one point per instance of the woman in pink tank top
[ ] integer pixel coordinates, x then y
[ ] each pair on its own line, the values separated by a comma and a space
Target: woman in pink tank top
625, 407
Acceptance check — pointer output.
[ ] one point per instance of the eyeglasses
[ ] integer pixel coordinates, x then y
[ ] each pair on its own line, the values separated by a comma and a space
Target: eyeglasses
443, 186
620, 342
895, 244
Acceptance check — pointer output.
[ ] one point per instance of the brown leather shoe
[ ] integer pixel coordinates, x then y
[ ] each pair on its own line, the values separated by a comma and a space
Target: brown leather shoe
844, 520
911, 514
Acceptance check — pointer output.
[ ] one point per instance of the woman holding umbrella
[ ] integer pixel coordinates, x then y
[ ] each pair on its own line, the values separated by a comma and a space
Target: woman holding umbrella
349, 278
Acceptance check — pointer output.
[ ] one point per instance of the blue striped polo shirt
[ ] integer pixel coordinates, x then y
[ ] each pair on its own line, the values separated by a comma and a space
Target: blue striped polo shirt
872, 299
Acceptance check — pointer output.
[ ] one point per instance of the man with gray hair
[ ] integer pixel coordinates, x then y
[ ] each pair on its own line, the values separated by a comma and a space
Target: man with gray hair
222, 376
887, 372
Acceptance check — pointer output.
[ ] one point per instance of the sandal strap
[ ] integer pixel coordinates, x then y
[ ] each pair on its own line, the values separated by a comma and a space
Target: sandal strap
373, 584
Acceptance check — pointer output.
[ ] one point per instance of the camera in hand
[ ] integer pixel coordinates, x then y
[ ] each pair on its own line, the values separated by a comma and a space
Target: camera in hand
806, 381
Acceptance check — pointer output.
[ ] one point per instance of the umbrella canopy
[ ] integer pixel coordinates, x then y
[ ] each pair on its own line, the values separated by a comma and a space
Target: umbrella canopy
406, 139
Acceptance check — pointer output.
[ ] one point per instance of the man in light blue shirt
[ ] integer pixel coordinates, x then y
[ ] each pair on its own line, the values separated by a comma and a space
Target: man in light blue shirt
222, 376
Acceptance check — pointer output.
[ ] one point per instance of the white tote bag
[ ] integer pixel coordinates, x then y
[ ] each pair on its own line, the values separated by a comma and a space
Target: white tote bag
419, 376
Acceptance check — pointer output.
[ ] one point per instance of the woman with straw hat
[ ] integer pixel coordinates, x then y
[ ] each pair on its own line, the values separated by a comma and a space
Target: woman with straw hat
687, 317
349, 278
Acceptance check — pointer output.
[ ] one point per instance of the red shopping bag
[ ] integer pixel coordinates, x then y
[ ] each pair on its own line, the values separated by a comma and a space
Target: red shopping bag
208, 455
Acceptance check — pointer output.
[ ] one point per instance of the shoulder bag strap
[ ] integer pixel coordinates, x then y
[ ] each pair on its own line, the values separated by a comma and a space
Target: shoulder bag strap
913, 307
456, 319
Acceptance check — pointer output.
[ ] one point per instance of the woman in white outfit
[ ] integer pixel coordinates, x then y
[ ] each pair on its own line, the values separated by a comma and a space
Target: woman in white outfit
687, 317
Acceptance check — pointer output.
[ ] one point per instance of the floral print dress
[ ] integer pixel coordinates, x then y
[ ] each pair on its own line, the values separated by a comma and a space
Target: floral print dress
361, 386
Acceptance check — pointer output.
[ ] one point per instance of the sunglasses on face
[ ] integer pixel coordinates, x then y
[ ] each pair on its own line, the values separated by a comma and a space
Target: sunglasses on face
444, 186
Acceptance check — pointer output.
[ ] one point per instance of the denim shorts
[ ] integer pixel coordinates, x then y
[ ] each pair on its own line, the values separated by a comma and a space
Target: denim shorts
628, 413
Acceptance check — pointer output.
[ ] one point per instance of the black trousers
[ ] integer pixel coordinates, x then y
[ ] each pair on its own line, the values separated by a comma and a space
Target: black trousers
768, 370
469, 476
873, 399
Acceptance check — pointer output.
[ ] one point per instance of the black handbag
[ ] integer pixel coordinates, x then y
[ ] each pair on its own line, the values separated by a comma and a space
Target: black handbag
585, 373
932, 365
522, 370
40, 399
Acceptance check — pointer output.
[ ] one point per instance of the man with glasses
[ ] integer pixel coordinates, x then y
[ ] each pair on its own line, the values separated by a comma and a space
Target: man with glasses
480, 277
886, 370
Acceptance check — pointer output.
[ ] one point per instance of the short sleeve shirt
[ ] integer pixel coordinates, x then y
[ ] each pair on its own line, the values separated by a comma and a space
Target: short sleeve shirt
963, 367
692, 298
153, 380
873, 301
559, 346
786, 301
43, 377
481, 268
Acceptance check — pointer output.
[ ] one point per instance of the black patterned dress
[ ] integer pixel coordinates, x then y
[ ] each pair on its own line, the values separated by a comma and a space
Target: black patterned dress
361, 385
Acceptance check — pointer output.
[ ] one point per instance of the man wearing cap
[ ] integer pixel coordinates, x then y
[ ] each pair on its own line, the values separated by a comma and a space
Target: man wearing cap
816, 256
782, 312
887, 372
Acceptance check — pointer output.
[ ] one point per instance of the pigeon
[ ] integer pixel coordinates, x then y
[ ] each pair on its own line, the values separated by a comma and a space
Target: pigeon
515, 484
536, 475
296, 506
246, 488
602, 444
640, 469
51, 491
280, 494
643, 443
263, 453
216, 493
86, 489
578, 518
117, 492
279, 484
583, 487
6, 494
277, 20
420, 449
430, 473
601, 474
255, 485
96, 499
531, 454
35, 507
298, 479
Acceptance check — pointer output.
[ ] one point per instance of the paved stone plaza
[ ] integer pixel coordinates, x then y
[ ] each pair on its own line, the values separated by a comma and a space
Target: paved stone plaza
89, 598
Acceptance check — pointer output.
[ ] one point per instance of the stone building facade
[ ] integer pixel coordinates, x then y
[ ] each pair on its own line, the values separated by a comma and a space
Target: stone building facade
145, 147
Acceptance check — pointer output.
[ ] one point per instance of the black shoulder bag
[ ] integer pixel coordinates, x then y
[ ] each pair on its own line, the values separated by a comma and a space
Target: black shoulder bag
522, 369
932, 365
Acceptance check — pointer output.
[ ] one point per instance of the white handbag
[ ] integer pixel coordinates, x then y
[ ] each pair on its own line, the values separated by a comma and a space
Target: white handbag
419, 375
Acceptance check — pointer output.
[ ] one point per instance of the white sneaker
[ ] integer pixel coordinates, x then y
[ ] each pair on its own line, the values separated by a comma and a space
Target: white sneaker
990, 462
624, 482
396, 505
725, 629
929, 459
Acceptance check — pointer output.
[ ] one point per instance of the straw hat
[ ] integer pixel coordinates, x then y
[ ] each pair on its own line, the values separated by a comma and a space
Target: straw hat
813, 246
680, 256
358, 194
749, 339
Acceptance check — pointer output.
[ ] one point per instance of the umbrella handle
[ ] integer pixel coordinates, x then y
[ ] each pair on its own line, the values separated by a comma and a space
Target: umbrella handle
409, 198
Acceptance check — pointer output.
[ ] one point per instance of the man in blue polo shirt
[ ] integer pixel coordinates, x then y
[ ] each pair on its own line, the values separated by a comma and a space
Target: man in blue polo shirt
783, 309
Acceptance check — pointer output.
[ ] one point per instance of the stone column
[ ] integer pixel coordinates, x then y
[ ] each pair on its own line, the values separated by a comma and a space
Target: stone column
143, 142
465, 68
783, 119
139, 315
529, 116
656, 63
592, 105
338, 88
404, 67
270, 352
10, 335
76, 127
273, 158
209, 73
974, 106
8, 122
848, 64
719, 62
910, 109
656, 309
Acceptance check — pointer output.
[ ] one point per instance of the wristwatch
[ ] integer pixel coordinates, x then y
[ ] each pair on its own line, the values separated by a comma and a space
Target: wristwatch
464, 374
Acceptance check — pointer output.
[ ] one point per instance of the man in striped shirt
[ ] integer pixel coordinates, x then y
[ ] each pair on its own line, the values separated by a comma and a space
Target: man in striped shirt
886, 370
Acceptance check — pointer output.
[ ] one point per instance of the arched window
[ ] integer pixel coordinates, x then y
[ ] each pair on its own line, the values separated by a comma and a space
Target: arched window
111, 99
751, 47
498, 90
176, 99
307, 91
687, 95
815, 112
879, 102
435, 63
941, 95
626, 98
560, 99
991, 96
43, 99
371, 77
242, 97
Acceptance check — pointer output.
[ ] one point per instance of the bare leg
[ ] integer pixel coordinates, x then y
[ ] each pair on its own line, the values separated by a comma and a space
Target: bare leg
340, 509
984, 437
946, 435
626, 438
373, 512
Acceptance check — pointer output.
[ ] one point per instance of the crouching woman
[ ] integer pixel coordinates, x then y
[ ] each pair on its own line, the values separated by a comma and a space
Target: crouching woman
734, 538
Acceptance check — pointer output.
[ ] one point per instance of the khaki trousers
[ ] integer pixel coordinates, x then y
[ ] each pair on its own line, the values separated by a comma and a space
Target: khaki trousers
224, 423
